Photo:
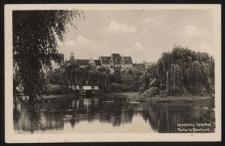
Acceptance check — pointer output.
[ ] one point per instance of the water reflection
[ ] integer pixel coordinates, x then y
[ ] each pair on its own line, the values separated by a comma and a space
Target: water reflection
108, 115
163, 117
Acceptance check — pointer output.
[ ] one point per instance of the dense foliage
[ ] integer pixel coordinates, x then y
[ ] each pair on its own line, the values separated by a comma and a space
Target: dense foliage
71, 76
99, 77
181, 72
35, 36
56, 77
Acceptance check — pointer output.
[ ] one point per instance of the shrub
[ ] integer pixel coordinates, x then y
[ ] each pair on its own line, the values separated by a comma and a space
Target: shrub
134, 87
151, 92
124, 87
163, 93
141, 89
58, 89
121, 87
153, 82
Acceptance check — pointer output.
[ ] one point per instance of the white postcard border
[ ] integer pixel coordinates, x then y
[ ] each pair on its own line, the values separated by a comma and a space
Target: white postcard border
11, 137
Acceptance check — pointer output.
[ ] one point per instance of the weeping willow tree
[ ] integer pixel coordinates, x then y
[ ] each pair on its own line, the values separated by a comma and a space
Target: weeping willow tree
127, 76
103, 80
86, 71
144, 81
93, 78
174, 80
74, 75
35, 36
198, 77
164, 64
184, 70
99, 77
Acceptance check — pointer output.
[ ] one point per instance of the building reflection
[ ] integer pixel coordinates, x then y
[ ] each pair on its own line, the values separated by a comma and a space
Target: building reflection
67, 113
55, 113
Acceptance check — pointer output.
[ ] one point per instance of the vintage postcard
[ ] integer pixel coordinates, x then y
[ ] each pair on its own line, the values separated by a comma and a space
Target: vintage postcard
112, 73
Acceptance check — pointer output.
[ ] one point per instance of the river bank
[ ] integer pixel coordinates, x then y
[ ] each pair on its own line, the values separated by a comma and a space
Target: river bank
59, 96
136, 97
141, 98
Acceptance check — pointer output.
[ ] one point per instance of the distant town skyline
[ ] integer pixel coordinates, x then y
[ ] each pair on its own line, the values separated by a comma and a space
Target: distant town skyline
142, 34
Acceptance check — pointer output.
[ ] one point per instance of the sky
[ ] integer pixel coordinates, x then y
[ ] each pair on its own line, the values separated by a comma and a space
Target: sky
142, 34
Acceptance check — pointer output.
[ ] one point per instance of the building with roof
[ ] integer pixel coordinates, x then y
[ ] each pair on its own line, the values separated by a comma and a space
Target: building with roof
83, 62
113, 62
148, 64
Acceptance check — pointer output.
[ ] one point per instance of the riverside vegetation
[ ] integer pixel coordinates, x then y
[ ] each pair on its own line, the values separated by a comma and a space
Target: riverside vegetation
180, 75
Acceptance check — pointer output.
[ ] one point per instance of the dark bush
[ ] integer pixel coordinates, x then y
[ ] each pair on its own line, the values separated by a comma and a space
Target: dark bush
141, 89
121, 87
58, 89
163, 93
153, 91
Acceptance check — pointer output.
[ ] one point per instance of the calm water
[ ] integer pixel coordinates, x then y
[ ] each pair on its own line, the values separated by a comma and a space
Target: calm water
111, 115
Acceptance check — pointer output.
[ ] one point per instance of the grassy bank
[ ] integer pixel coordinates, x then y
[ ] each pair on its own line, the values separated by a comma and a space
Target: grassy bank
141, 98
136, 97
126, 94
59, 96
180, 99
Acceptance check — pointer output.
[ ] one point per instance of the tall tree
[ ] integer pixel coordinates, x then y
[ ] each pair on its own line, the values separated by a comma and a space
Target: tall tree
174, 82
103, 77
93, 78
185, 70
35, 36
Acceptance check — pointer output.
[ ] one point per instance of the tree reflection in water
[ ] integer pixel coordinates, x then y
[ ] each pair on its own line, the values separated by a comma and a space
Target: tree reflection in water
163, 117
55, 114
31, 121
72, 122
35, 118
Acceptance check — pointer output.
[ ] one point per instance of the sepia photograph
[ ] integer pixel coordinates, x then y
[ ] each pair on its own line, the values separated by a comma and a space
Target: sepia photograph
87, 73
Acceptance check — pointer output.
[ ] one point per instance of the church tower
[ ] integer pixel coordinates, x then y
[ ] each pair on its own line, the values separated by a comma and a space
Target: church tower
72, 59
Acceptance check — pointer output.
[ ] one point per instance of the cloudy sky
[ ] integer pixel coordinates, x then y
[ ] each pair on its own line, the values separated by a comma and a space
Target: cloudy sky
141, 34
